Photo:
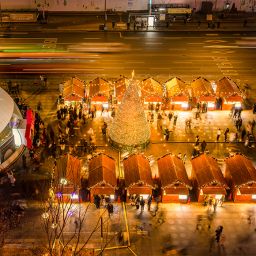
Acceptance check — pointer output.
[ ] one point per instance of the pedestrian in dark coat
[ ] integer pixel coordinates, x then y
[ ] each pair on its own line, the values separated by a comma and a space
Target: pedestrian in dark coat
142, 204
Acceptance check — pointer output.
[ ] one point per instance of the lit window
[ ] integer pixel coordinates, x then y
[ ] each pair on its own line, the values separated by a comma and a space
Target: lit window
74, 196
184, 104
218, 197
210, 105
253, 196
183, 197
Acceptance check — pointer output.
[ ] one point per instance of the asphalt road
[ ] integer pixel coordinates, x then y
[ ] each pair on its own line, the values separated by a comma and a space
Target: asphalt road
162, 55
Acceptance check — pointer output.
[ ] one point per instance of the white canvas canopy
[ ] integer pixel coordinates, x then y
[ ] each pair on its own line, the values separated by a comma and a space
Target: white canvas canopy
6, 109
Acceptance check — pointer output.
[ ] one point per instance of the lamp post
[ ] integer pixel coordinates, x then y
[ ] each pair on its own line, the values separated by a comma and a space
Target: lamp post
0, 14
105, 16
150, 7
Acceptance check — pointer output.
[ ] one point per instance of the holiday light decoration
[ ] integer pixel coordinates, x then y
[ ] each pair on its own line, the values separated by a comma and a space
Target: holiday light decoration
130, 127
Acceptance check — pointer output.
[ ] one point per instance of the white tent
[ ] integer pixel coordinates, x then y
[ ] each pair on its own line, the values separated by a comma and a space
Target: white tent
6, 109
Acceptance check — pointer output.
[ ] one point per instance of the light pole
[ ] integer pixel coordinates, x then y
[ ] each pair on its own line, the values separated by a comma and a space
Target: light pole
105, 18
150, 7
0, 14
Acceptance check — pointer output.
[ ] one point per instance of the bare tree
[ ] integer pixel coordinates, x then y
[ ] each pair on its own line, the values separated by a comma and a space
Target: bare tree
62, 238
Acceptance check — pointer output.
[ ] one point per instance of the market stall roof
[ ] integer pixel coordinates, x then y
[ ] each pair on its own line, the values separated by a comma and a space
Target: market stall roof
180, 98
102, 171
153, 99
172, 171
6, 109
137, 171
99, 98
151, 87
99, 86
201, 86
74, 89
207, 98
175, 86
233, 98
227, 87
68, 167
241, 170
207, 171
120, 85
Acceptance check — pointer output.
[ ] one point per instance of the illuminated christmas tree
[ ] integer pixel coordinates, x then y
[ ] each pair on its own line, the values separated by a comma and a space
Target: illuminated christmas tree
130, 127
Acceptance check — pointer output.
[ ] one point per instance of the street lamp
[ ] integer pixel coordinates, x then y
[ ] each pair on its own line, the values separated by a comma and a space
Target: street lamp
150, 7
105, 18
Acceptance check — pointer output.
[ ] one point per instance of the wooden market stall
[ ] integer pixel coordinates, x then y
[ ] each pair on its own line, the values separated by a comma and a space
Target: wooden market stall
98, 91
203, 92
174, 179
120, 88
151, 91
67, 179
73, 90
241, 177
102, 180
177, 93
137, 175
207, 178
228, 94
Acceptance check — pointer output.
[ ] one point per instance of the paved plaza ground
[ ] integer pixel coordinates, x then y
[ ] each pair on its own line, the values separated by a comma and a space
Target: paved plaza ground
172, 230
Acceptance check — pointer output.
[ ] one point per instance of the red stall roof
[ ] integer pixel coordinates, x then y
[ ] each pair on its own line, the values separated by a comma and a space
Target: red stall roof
172, 172
68, 167
227, 87
175, 86
207, 171
201, 86
151, 87
137, 171
102, 171
99, 86
241, 170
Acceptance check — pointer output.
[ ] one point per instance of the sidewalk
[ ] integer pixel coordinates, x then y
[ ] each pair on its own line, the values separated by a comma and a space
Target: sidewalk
89, 22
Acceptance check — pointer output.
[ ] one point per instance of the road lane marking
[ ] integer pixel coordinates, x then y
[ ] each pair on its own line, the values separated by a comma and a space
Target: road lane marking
221, 46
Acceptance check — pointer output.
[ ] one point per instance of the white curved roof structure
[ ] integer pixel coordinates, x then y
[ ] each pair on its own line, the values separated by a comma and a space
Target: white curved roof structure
6, 108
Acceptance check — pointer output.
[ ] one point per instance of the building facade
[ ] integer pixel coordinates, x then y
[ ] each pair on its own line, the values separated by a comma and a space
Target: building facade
122, 5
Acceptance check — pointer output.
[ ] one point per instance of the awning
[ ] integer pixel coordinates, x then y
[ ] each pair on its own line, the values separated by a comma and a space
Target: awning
177, 191
233, 99
99, 98
179, 99
207, 99
139, 190
247, 191
153, 99
214, 191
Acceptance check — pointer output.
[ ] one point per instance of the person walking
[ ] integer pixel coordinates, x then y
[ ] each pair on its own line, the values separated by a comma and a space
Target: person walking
197, 140
226, 135
149, 202
110, 209
203, 146
142, 204
175, 119
218, 134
